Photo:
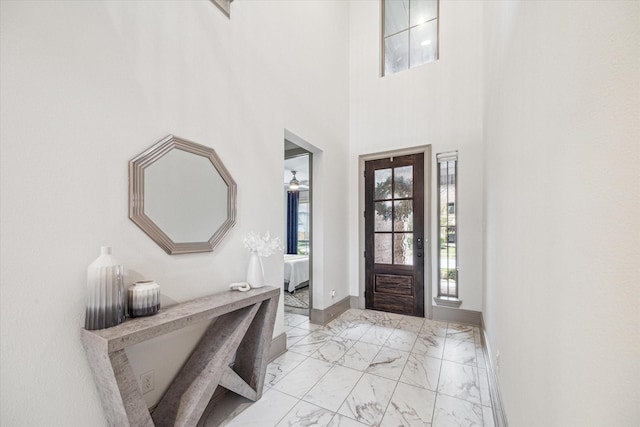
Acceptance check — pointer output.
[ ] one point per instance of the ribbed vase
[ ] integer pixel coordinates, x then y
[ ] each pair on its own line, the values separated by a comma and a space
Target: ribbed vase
105, 292
144, 298
255, 271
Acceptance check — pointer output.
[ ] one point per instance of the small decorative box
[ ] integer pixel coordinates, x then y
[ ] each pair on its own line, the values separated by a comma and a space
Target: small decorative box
143, 298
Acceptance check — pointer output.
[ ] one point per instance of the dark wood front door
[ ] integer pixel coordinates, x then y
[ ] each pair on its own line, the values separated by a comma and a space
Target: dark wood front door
394, 234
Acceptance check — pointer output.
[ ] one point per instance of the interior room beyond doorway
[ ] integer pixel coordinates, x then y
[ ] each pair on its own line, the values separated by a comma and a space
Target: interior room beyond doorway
297, 200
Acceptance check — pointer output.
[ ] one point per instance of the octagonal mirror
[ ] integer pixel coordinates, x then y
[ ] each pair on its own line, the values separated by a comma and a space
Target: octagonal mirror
182, 196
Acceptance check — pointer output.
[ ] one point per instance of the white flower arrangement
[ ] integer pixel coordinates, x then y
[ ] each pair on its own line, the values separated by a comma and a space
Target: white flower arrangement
265, 246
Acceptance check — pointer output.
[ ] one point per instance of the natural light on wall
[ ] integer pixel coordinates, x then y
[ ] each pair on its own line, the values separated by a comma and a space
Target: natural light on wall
410, 34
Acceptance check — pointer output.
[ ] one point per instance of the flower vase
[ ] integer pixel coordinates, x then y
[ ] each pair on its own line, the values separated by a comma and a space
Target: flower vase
105, 292
255, 271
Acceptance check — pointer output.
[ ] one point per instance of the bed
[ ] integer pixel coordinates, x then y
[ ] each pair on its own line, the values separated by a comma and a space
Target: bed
296, 271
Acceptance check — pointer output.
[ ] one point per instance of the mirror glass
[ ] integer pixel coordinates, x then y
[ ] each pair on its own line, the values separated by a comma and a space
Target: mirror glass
182, 196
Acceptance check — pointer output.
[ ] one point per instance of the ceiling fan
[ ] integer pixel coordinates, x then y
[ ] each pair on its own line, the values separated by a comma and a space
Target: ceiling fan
296, 185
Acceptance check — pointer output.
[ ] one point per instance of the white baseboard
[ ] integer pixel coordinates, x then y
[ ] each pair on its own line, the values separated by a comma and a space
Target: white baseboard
499, 416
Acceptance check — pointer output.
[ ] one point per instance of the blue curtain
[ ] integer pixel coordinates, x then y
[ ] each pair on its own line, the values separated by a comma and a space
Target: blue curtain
293, 198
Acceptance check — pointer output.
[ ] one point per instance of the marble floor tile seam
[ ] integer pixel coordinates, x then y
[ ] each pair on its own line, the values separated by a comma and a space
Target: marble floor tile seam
464, 400
381, 397
460, 403
387, 344
440, 379
460, 363
341, 402
366, 369
335, 413
413, 350
305, 357
386, 408
337, 363
461, 353
438, 382
292, 320
314, 384
396, 382
330, 423
382, 376
405, 381
273, 383
452, 333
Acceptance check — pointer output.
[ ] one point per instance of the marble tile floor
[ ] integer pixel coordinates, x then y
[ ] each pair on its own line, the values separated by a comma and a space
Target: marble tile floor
368, 368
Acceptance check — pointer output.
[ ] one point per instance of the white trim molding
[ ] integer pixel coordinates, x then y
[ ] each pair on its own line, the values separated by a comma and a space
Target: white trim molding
499, 415
448, 301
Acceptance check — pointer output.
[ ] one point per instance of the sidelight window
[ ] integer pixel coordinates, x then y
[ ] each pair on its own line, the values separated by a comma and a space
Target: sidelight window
447, 225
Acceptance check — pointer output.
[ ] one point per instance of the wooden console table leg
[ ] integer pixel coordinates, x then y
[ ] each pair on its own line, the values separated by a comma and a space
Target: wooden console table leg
189, 394
241, 326
255, 346
122, 401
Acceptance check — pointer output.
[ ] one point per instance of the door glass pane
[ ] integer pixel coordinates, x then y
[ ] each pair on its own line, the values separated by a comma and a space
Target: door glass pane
396, 16
403, 215
423, 11
403, 185
396, 53
383, 248
382, 218
403, 249
383, 184
423, 43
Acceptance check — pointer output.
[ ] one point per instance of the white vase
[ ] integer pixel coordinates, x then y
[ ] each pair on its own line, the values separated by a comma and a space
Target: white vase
105, 292
255, 272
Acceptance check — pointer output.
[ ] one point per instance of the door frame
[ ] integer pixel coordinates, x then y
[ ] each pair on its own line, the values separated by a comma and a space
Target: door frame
426, 150
316, 243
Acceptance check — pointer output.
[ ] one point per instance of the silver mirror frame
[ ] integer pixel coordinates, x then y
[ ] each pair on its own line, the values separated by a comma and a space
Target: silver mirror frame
137, 168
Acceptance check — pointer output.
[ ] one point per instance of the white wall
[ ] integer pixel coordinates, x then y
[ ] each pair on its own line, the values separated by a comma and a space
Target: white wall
437, 104
86, 86
562, 205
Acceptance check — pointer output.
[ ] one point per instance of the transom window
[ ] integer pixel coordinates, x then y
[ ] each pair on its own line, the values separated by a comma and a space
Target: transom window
410, 34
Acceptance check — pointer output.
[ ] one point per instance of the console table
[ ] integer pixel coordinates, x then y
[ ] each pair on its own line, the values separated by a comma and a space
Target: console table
233, 353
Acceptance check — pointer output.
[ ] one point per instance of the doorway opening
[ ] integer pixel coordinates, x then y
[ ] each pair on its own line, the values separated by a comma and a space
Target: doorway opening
298, 216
